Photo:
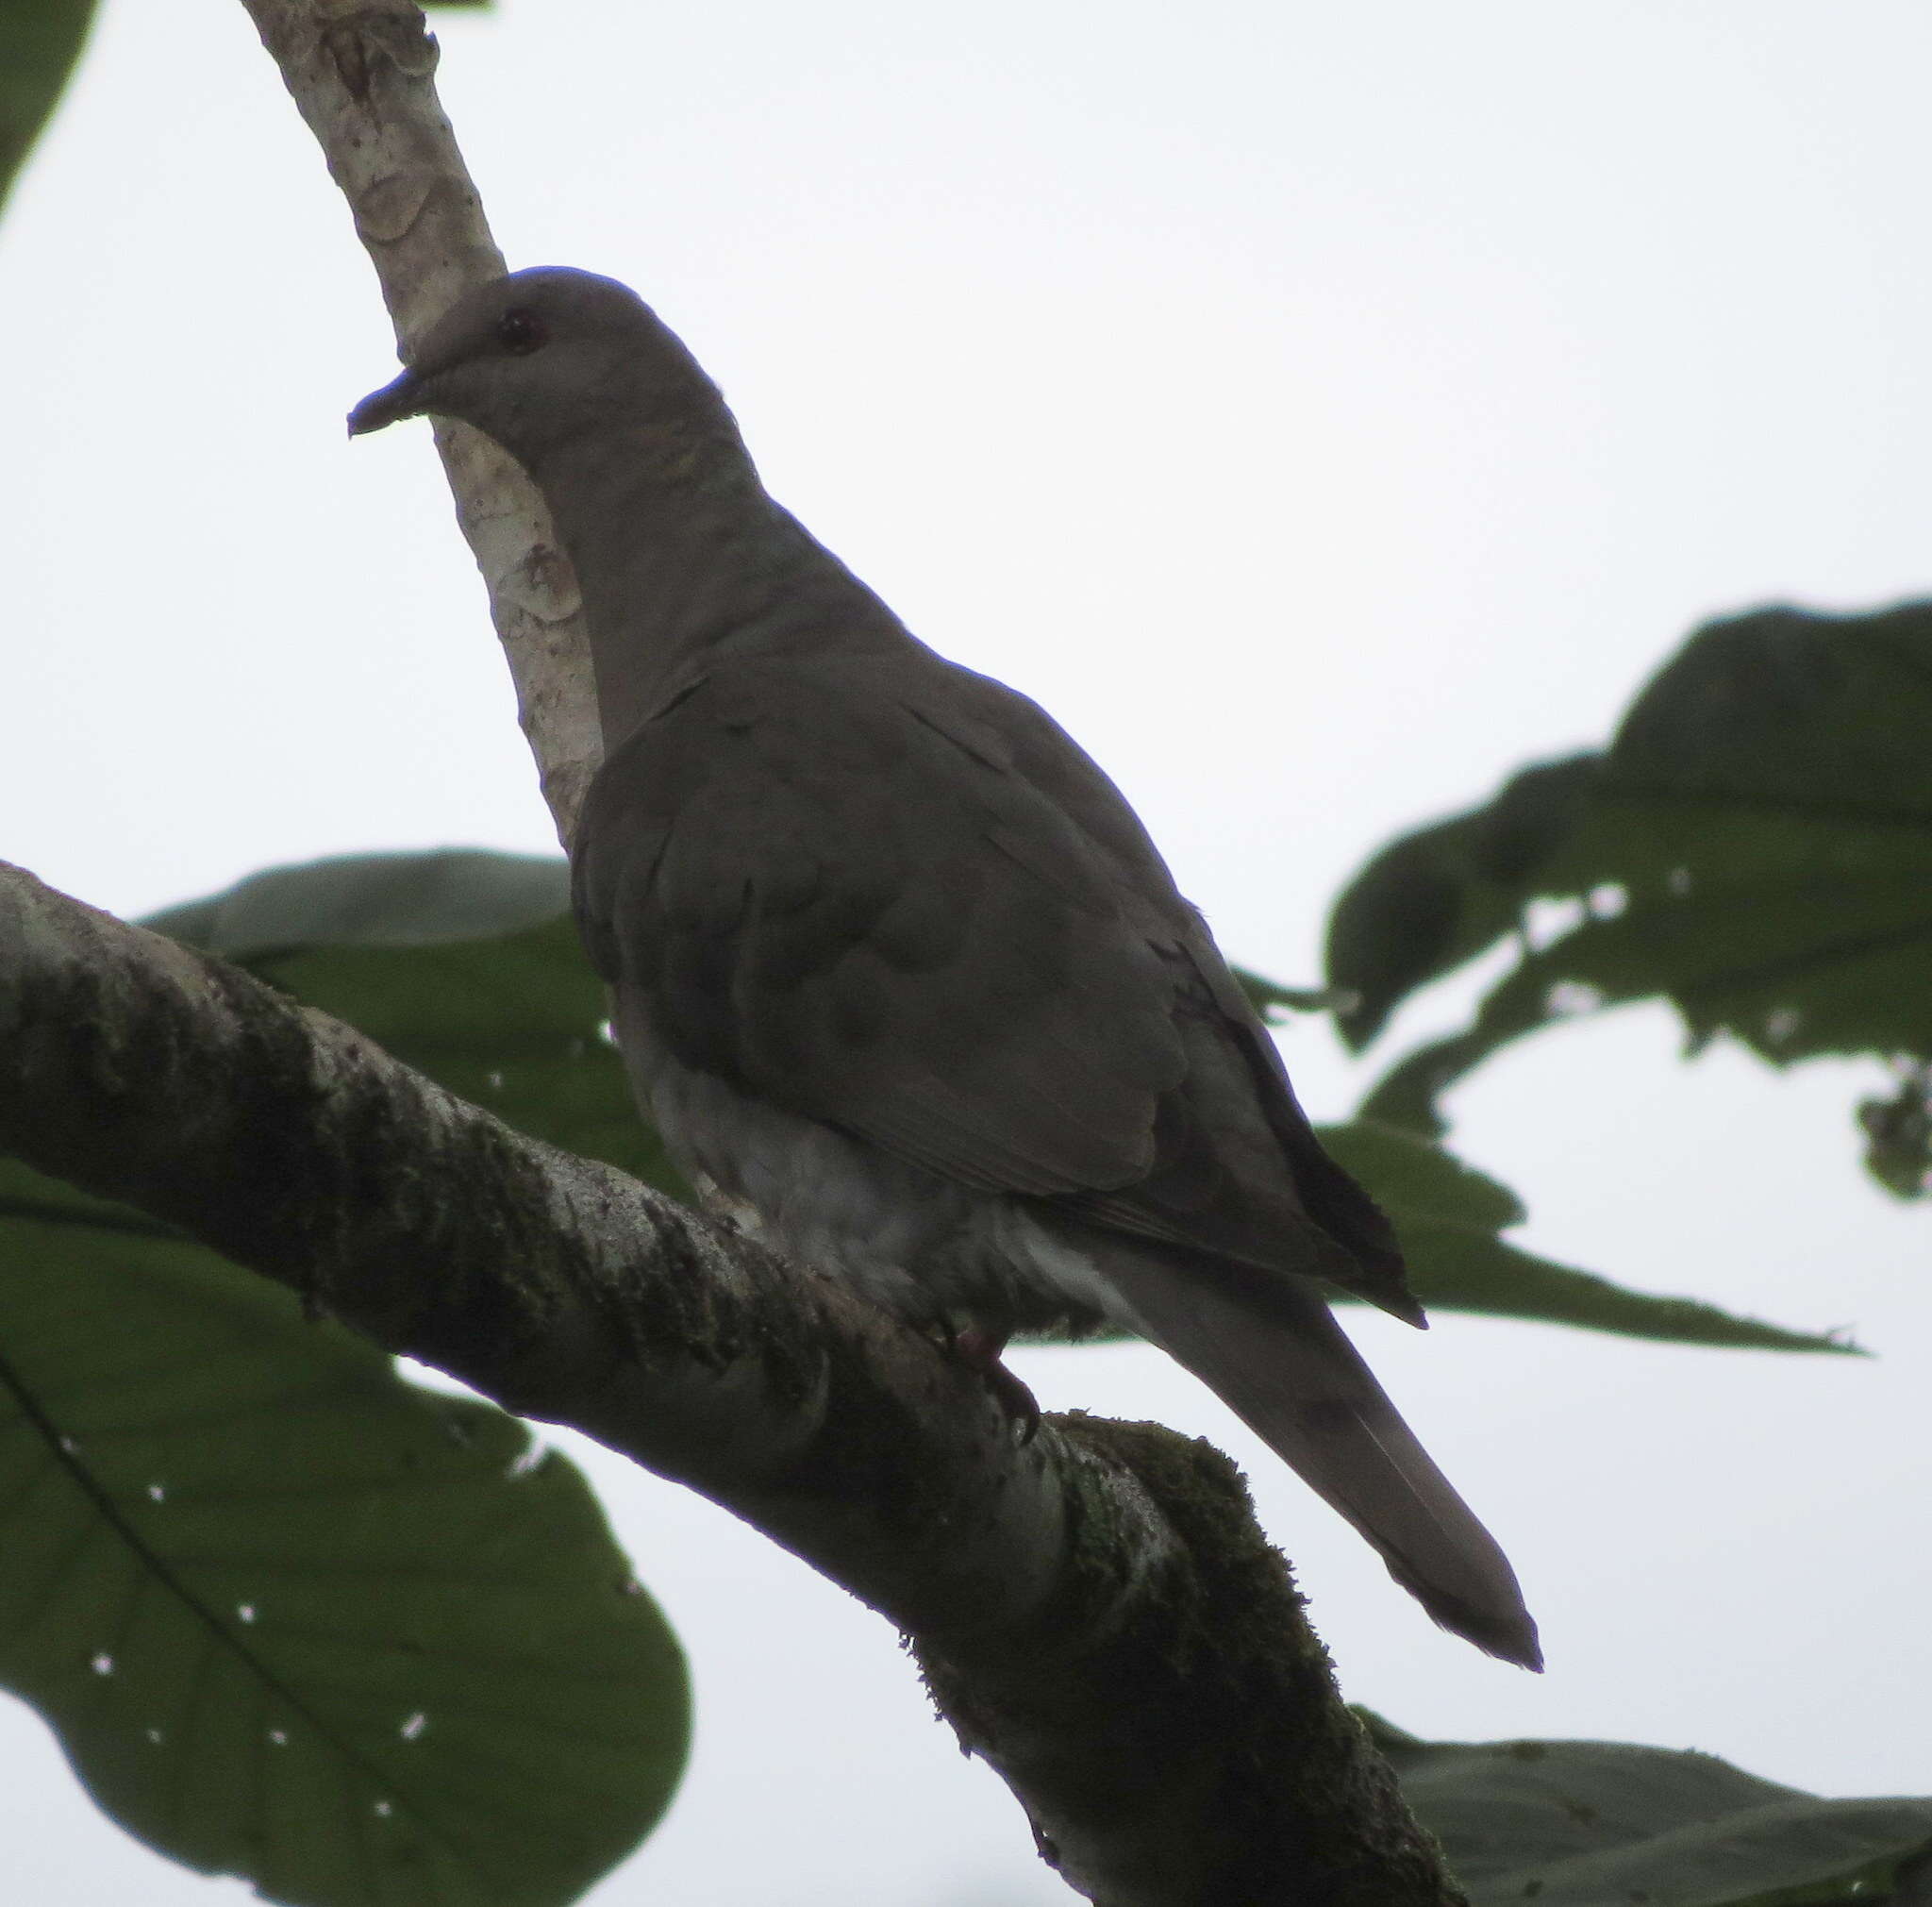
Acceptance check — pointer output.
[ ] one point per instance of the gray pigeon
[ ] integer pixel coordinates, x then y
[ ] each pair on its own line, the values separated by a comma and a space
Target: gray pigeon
898, 975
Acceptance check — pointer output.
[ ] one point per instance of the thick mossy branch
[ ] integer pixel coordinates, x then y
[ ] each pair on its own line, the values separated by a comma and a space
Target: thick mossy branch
1097, 1612
1252, 1782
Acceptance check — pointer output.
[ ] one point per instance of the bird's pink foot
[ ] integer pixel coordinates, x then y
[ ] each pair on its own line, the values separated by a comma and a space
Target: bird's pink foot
980, 1350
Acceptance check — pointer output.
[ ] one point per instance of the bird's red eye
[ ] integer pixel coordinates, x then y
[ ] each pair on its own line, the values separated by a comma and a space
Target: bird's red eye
520, 333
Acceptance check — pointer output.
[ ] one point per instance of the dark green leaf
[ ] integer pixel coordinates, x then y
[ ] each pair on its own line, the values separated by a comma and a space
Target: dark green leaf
1584, 1824
294, 1618
1271, 999
1448, 1217
374, 900
1898, 1135
1757, 849
1432, 900
39, 42
461, 962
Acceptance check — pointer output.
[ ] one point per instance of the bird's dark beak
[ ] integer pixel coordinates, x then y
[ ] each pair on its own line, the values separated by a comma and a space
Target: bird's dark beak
403, 398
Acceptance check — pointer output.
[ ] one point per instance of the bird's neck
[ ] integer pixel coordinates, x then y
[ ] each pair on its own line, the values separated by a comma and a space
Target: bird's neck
679, 551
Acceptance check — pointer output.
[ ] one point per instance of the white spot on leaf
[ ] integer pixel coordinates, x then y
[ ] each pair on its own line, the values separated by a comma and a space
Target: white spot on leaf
1545, 921
1567, 997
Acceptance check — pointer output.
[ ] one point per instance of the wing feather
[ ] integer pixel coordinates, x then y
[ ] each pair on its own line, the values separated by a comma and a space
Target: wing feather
895, 898
859, 948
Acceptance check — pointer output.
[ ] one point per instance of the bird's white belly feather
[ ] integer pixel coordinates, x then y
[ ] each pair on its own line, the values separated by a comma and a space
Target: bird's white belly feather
921, 1247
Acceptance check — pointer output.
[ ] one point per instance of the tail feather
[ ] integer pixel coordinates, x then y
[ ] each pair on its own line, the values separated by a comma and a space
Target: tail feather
1290, 1372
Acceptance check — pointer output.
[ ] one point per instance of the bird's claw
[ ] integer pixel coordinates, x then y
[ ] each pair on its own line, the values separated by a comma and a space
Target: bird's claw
980, 1351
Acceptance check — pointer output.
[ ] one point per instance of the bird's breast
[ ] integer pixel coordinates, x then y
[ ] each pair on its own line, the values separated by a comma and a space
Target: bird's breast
926, 1249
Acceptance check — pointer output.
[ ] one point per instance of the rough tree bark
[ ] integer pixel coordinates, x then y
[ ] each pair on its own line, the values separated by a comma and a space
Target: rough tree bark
362, 74
1096, 1611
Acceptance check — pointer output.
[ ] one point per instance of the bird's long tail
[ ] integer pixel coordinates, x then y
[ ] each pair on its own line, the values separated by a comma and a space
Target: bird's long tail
1290, 1372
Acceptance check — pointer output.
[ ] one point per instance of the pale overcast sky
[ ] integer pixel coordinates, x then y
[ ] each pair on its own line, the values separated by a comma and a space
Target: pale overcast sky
1322, 410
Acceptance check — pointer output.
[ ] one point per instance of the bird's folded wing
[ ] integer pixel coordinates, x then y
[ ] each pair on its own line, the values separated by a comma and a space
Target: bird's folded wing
909, 907
823, 899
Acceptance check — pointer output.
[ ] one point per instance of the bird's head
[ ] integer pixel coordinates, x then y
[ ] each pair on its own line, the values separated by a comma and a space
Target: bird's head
539, 356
